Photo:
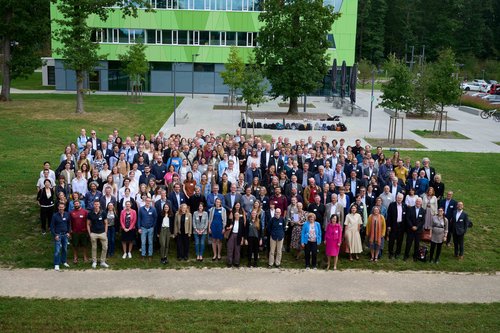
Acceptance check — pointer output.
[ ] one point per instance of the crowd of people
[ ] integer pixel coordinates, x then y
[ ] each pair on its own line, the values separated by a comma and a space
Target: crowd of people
260, 198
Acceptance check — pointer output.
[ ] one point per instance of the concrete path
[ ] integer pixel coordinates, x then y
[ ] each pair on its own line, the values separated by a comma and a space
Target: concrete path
253, 284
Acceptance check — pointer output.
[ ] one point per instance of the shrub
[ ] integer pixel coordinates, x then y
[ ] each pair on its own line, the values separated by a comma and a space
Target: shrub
476, 102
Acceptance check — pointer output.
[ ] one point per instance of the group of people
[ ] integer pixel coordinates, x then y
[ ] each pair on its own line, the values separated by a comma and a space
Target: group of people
256, 197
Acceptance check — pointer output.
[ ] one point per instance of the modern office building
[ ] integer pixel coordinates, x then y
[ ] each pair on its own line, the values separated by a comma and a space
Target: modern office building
190, 38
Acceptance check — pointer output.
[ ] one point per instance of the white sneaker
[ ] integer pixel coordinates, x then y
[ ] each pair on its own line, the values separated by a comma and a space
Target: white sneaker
103, 264
66, 265
56, 267
124, 256
130, 255
94, 264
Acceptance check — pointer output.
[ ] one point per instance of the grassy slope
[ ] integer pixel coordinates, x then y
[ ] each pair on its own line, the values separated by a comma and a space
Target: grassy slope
32, 82
35, 128
149, 315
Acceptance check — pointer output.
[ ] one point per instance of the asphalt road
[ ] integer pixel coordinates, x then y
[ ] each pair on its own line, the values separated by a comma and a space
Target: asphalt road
253, 284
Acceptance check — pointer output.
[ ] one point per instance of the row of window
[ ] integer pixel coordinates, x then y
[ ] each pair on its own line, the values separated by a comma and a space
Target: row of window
174, 37
229, 5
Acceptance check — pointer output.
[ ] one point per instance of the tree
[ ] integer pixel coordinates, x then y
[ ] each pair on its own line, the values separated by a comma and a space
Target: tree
372, 33
292, 46
423, 103
233, 75
135, 66
24, 30
78, 50
365, 68
253, 88
398, 91
444, 87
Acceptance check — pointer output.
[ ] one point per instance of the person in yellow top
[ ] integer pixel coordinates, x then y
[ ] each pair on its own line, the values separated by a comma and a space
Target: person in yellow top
375, 232
401, 171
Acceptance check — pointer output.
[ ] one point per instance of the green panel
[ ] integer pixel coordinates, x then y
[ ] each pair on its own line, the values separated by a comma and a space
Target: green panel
344, 30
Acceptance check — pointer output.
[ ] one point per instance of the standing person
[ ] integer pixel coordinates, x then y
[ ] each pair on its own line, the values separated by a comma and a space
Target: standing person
333, 240
183, 226
460, 224
111, 216
200, 227
298, 221
217, 220
79, 235
375, 231
353, 223
414, 225
439, 232
311, 238
128, 221
449, 205
45, 198
276, 231
60, 228
165, 226
253, 236
97, 227
146, 225
396, 225
236, 230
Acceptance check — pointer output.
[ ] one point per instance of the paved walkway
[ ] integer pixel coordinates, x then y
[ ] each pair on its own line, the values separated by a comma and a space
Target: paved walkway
253, 284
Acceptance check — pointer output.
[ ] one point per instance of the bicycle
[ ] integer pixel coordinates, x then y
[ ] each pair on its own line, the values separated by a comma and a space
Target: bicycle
491, 113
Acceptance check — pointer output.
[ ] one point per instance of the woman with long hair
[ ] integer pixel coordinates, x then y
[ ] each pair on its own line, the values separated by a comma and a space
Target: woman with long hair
217, 220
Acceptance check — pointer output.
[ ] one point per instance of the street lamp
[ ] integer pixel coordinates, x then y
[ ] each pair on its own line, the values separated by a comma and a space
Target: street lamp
192, 73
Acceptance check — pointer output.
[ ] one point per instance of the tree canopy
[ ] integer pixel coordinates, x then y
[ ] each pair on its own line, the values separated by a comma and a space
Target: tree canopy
292, 46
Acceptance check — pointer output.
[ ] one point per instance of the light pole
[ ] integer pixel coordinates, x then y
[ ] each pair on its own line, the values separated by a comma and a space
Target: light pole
175, 94
371, 103
192, 74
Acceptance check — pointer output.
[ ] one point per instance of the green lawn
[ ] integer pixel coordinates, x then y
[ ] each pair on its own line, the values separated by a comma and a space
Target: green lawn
32, 82
150, 315
444, 135
35, 128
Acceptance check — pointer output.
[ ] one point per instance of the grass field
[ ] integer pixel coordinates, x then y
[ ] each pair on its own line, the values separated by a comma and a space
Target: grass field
444, 135
35, 128
32, 82
149, 315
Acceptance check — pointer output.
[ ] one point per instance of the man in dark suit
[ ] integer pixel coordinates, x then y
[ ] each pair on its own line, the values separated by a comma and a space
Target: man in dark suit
306, 175
430, 172
106, 152
139, 153
159, 205
449, 205
96, 142
413, 182
293, 184
396, 225
460, 222
231, 198
414, 227
314, 163
265, 158
354, 182
277, 162
295, 171
177, 198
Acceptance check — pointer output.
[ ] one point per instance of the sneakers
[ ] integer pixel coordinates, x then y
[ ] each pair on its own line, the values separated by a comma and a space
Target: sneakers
56, 267
66, 265
103, 264
130, 255
124, 256
94, 264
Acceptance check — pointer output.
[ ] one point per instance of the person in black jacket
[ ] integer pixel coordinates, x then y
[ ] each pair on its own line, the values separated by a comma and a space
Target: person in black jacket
414, 226
253, 237
460, 221
449, 205
46, 201
396, 225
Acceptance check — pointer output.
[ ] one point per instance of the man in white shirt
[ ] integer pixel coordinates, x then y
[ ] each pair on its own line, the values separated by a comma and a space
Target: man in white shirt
52, 174
79, 184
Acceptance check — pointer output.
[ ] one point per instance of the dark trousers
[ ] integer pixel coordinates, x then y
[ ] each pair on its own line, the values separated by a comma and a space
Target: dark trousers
450, 232
288, 238
412, 237
311, 249
458, 242
436, 246
46, 216
253, 249
396, 237
182, 246
233, 249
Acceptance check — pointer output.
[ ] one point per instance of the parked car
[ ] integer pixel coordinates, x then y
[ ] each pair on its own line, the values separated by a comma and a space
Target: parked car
470, 86
494, 89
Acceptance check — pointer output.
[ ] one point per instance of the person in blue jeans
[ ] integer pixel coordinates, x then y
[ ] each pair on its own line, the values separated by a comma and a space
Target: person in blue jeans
112, 218
146, 226
60, 228
311, 238
200, 227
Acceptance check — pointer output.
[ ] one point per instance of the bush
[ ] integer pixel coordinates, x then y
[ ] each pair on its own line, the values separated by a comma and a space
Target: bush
476, 102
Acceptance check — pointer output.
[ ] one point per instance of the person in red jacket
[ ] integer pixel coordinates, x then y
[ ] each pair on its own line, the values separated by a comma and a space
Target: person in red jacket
79, 234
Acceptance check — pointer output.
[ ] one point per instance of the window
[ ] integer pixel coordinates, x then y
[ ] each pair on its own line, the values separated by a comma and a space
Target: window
172, 4
161, 66
199, 67
161, 4
195, 38
331, 41
221, 4
182, 37
204, 38
237, 4
137, 36
183, 4
215, 37
51, 75
199, 4
166, 36
249, 38
151, 36
242, 38
230, 38
123, 36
